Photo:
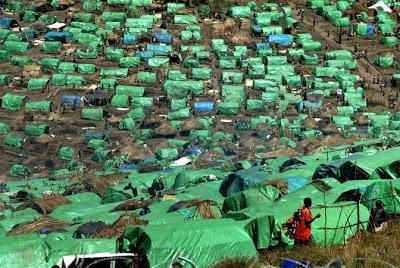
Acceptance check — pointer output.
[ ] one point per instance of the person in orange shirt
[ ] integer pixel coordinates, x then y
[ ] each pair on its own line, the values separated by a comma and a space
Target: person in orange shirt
302, 234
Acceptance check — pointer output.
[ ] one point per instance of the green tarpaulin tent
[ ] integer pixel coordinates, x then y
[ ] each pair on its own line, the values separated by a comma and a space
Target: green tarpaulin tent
12, 102
92, 113
219, 239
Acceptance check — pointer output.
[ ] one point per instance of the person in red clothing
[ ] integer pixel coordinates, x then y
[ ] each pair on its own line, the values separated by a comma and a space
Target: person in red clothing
302, 234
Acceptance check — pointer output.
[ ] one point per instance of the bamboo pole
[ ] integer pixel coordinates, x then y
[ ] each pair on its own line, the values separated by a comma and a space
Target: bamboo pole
393, 199
326, 218
337, 225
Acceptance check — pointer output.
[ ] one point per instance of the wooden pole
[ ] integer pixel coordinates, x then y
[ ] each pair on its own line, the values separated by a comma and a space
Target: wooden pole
326, 218
358, 210
393, 199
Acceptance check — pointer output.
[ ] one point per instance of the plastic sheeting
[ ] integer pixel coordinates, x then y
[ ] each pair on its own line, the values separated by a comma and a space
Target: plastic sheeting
162, 37
12, 102
281, 39
204, 106
203, 242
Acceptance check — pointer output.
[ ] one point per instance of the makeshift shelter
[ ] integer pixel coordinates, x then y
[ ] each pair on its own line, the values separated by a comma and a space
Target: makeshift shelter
153, 242
12, 102
8, 23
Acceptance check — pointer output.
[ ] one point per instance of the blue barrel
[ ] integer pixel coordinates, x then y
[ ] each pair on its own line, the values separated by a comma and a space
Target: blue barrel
204, 106
71, 100
129, 39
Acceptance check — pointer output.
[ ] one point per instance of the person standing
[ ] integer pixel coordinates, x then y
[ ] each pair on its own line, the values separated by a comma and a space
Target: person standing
302, 232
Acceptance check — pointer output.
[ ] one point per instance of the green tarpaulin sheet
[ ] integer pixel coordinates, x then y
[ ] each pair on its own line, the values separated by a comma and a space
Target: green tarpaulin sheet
19, 171
59, 79
203, 242
201, 73
129, 62
116, 53
21, 61
12, 102
311, 46
168, 153
158, 62
4, 56
38, 106
240, 11
185, 19
86, 68
180, 88
146, 77
92, 113
177, 104
180, 114
108, 83
131, 91
389, 40
126, 124
49, 63
36, 130
4, 129
382, 61
173, 7
114, 72
13, 140
145, 102
120, 101
228, 108
75, 80
51, 46
113, 16
139, 23
37, 83
66, 153
66, 67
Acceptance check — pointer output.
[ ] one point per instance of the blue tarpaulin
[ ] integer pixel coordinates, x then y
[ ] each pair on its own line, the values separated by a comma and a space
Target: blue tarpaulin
193, 150
281, 39
308, 104
58, 36
370, 30
256, 29
149, 160
204, 106
8, 23
162, 37
295, 183
145, 54
242, 180
129, 39
28, 33
127, 166
158, 50
261, 46
71, 100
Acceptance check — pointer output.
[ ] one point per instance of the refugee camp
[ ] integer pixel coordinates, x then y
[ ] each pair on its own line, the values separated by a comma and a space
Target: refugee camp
199, 133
